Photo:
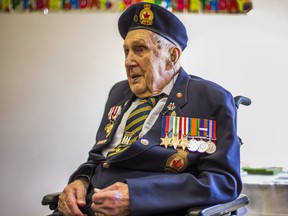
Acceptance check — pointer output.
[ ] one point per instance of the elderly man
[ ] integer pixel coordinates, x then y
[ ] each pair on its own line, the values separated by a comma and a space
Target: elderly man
167, 140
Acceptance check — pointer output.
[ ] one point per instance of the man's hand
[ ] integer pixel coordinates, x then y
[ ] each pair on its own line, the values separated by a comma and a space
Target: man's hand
73, 197
113, 200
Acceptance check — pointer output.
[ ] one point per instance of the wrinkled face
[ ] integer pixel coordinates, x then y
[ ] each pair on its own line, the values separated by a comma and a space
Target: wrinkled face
146, 57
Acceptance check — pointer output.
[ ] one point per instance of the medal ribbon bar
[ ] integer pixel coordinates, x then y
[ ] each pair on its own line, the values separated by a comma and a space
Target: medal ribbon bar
191, 127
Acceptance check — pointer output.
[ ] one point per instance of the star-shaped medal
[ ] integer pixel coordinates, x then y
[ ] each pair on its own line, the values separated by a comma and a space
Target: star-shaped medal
184, 142
175, 141
165, 141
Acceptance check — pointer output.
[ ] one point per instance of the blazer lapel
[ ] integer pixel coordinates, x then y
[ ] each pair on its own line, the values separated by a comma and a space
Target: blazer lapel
125, 103
178, 96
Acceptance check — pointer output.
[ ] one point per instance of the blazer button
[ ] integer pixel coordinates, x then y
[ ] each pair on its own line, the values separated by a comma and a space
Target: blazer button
106, 165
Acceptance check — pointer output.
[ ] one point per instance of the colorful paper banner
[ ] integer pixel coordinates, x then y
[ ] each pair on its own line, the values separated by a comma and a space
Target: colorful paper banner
190, 6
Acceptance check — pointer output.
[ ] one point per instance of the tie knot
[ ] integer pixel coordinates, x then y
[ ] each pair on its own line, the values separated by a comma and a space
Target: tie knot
152, 101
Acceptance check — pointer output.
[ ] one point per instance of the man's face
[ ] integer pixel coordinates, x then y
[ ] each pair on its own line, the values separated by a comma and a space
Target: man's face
146, 57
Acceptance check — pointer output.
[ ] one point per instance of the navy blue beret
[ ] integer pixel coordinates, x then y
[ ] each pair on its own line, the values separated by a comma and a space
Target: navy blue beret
155, 18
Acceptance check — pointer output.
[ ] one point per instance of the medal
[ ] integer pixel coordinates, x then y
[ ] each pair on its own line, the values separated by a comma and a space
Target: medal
108, 128
126, 137
193, 145
184, 142
184, 129
211, 147
165, 141
175, 141
203, 146
114, 112
176, 129
112, 115
166, 128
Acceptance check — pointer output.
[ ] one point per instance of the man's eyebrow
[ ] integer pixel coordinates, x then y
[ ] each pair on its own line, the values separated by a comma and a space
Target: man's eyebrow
136, 42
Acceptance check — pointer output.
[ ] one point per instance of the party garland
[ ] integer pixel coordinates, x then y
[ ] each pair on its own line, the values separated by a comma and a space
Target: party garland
193, 6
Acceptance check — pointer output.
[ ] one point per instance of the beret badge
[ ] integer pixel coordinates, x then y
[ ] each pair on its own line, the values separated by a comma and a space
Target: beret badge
146, 15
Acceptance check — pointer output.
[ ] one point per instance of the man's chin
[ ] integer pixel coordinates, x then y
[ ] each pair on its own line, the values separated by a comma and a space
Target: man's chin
136, 87
139, 92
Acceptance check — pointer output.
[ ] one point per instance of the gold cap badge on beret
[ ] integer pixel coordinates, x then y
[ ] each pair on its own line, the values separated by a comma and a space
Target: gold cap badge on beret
146, 15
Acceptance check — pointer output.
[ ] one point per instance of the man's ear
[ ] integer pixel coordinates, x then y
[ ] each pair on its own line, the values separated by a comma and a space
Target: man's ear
175, 54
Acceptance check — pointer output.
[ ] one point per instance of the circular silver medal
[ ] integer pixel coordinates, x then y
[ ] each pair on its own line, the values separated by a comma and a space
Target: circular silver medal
193, 145
203, 146
211, 147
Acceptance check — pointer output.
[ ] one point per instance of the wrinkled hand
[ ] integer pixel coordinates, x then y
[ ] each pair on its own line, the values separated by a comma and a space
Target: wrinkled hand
112, 201
73, 197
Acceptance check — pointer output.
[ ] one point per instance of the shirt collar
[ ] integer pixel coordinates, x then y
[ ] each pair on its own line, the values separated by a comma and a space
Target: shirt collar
167, 89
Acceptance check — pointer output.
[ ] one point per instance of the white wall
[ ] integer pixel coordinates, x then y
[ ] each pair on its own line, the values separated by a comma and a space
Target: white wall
56, 71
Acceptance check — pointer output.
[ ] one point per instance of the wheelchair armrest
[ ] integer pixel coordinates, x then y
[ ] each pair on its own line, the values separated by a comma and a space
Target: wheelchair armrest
221, 209
51, 200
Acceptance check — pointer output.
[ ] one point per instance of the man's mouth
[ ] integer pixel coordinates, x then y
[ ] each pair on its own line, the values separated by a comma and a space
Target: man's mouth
135, 77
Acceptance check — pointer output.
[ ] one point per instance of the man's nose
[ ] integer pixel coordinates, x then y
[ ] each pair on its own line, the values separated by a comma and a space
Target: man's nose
130, 59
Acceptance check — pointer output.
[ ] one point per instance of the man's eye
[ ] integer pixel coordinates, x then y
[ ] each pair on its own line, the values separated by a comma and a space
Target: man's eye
140, 49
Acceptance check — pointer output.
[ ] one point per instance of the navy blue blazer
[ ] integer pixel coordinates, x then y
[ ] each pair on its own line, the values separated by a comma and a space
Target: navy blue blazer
154, 189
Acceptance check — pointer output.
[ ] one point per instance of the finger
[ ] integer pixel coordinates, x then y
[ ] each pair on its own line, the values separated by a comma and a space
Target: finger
62, 205
95, 208
106, 199
99, 210
73, 206
98, 198
81, 197
102, 195
96, 190
62, 208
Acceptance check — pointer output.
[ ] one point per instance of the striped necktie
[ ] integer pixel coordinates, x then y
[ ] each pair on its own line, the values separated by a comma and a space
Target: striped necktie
135, 123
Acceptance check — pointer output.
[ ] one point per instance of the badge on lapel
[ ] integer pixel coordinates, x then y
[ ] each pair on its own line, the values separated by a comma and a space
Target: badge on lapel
112, 116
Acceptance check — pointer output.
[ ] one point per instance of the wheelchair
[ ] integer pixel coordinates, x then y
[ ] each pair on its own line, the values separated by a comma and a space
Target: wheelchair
232, 208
